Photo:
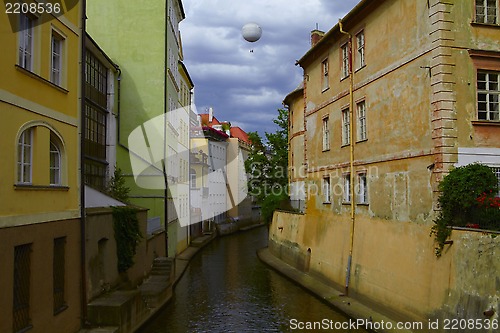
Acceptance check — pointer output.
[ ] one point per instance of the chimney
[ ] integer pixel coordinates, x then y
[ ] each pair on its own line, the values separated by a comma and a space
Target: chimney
316, 36
210, 114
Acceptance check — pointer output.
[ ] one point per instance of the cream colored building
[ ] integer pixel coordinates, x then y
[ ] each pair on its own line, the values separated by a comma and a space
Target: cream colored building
423, 98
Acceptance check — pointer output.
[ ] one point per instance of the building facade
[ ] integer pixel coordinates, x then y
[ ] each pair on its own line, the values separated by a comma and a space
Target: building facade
393, 96
40, 104
148, 97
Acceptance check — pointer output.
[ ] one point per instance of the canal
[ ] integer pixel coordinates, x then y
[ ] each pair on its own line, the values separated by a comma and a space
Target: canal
226, 288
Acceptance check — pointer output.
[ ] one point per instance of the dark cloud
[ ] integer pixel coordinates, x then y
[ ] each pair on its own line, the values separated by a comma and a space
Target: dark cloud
246, 82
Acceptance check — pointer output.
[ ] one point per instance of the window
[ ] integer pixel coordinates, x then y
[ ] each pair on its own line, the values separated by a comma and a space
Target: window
58, 270
362, 190
56, 59
347, 187
360, 43
96, 80
26, 41
496, 171
324, 69
326, 190
345, 60
488, 93
22, 275
361, 106
346, 127
55, 163
486, 11
25, 157
326, 134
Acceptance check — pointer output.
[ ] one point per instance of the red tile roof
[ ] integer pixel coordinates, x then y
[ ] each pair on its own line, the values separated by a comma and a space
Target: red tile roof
237, 132
205, 122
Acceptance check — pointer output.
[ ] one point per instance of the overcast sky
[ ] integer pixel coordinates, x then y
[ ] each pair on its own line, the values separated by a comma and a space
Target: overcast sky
243, 87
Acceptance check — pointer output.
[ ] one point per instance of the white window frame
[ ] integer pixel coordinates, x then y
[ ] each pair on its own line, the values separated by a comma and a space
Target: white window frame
362, 188
56, 58
488, 96
26, 36
345, 60
326, 134
346, 127
327, 193
361, 109
25, 157
489, 14
324, 69
347, 188
496, 171
55, 169
360, 48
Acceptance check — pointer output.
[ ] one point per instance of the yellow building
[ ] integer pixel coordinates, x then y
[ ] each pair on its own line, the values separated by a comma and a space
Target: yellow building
40, 210
393, 96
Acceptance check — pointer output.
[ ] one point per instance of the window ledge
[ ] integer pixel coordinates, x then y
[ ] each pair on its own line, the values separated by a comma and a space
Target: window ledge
485, 122
363, 204
325, 89
346, 202
41, 79
359, 141
327, 203
486, 25
325, 150
41, 187
26, 329
360, 68
345, 145
61, 309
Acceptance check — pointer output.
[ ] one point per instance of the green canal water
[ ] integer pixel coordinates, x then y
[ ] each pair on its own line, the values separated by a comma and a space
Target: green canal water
226, 288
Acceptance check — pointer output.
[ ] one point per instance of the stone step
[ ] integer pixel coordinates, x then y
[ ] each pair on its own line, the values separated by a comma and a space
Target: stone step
107, 329
122, 309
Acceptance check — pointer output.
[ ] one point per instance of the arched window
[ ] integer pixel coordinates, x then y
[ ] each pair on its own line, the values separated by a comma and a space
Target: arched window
25, 157
48, 163
55, 163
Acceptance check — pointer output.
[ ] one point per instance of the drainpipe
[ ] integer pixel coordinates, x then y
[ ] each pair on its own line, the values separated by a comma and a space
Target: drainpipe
83, 277
165, 110
351, 158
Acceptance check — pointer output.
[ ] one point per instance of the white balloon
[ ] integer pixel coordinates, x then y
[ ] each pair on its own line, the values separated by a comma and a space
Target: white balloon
251, 32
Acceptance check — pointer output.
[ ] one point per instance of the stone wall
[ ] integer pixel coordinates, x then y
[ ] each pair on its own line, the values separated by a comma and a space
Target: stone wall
101, 256
394, 264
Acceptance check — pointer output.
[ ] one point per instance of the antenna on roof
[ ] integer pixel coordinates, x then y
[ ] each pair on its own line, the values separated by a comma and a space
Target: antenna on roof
317, 26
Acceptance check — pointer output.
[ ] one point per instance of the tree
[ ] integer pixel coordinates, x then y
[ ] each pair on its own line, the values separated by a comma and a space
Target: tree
116, 187
267, 166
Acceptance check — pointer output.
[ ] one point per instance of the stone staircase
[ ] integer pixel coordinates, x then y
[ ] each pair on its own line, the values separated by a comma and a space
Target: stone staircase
158, 287
123, 311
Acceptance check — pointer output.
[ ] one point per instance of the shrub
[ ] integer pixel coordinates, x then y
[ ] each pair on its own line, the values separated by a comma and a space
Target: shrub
465, 200
127, 235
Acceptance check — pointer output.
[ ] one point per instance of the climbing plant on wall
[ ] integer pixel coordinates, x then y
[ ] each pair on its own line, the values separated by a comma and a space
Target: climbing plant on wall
467, 200
127, 235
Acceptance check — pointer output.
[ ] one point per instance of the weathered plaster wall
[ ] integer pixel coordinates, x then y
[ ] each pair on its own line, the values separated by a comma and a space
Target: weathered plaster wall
102, 263
394, 264
41, 236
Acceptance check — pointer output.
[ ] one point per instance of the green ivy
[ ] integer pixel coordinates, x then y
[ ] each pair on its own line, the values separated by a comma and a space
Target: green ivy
127, 235
459, 205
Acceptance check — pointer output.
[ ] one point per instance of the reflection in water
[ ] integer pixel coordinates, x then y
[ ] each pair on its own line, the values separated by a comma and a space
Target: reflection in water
227, 289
